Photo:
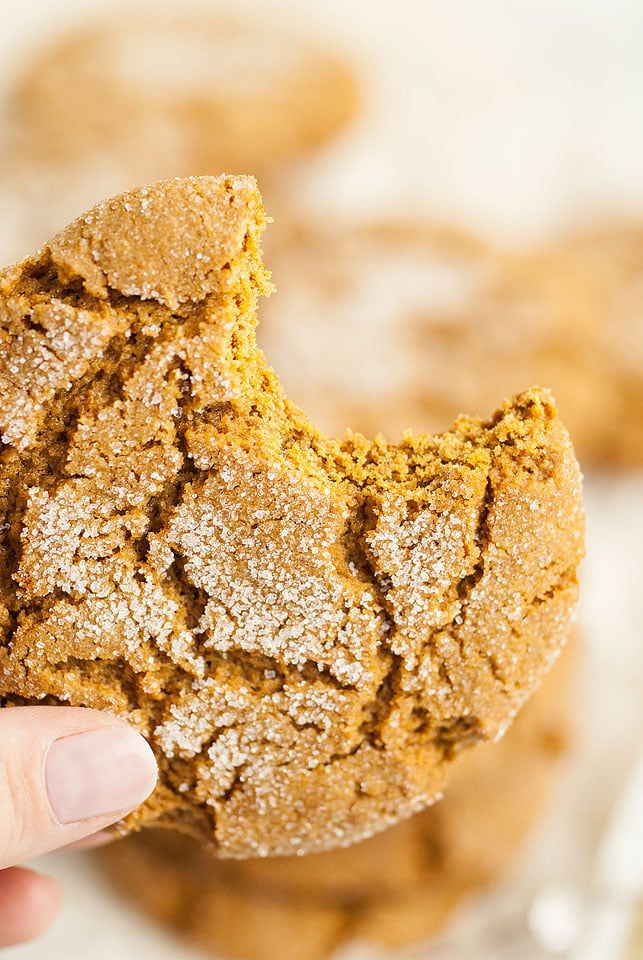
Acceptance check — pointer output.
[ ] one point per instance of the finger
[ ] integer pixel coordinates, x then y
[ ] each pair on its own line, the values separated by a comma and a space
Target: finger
94, 840
29, 903
66, 773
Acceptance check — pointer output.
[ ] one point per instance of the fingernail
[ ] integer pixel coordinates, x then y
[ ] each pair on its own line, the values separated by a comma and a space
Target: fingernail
109, 770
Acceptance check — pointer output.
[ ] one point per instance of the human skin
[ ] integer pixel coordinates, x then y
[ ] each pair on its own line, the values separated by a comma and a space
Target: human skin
65, 774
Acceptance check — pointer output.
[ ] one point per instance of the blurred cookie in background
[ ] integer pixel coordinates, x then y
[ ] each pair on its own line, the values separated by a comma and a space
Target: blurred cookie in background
406, 326
605, 262
136, 98
396, 888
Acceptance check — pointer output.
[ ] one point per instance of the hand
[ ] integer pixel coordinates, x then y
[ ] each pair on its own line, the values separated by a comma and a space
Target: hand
65, 774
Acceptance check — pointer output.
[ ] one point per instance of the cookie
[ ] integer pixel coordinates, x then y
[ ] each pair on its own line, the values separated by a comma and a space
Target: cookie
395, 888
495, 793
406, 326
307, 630
605, 267
127, 100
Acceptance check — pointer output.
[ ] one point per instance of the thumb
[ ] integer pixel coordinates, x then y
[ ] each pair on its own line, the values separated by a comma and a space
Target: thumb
65, 773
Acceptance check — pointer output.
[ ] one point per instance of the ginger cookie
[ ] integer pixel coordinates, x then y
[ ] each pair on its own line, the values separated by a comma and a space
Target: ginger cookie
406, 326
126, 100
307, 630
395, 888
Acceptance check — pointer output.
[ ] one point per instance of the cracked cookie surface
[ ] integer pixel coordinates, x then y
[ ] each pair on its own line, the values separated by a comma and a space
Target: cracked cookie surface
308, 630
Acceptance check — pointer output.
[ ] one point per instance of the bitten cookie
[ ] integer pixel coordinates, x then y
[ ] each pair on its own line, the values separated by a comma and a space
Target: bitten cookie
395, 888
130, 99
406, 326
307, 630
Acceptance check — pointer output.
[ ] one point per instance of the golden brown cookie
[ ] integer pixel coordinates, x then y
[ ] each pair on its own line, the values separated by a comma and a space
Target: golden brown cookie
130, 99
395, 888
308, 630
405, 326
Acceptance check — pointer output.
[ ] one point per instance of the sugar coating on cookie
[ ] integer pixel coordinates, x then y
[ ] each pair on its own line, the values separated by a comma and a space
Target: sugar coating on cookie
308, 630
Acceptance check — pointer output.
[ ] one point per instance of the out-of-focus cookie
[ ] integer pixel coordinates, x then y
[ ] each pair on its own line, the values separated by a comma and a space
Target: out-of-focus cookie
386, 326
389, 327
131, 99
188, 94
396, 888
605, 265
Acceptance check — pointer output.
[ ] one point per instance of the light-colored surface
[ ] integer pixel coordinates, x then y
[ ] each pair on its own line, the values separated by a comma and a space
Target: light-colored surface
513, 119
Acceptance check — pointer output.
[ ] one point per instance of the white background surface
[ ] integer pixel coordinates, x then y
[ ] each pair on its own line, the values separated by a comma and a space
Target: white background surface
514, 118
